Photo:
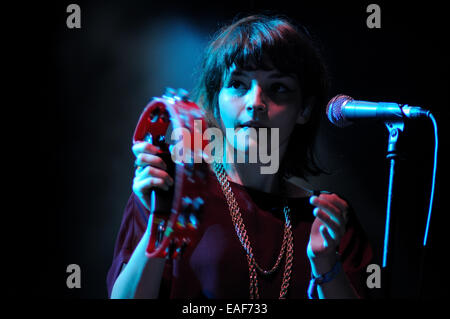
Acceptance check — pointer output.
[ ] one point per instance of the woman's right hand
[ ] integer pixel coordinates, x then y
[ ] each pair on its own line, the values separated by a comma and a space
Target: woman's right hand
151, 172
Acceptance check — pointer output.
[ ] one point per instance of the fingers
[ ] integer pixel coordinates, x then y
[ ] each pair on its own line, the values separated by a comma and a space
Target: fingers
145, 147
331, 210
151, 169
144, 159
153, 172
146, 154
150, 177
333, 205
327, 238
341, 204
143, 185
334, 229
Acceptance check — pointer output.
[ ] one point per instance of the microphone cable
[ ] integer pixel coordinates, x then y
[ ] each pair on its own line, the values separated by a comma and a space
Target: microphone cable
430, 206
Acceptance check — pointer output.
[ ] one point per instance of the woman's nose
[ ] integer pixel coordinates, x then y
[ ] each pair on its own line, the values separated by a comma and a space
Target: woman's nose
256, 100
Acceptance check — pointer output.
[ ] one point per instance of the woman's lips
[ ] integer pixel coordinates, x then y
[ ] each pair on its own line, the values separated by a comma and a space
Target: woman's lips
254, 124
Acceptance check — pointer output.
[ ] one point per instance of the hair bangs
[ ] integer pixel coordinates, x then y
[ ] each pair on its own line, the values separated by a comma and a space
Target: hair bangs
262, 45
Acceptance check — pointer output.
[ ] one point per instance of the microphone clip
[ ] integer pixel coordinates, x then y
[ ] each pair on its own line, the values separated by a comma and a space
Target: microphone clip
395, 128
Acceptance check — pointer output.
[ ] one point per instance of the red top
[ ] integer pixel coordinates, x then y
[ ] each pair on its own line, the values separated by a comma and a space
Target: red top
217, 266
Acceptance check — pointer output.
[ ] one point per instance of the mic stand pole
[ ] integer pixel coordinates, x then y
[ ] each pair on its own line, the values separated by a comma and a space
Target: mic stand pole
394, 128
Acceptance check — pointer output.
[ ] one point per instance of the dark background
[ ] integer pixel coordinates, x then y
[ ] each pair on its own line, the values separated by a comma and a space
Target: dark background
78, 93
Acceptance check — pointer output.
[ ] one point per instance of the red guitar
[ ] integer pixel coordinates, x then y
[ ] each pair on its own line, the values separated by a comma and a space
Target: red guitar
176, 213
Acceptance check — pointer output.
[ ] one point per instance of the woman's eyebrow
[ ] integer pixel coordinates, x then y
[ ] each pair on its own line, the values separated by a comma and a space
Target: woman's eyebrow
273, 75
279, 75
237, 73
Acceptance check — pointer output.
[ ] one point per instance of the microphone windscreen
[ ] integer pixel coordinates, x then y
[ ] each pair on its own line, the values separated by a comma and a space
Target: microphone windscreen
334, 110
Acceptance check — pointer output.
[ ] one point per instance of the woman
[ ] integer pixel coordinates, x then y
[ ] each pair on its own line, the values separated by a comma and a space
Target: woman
259, 72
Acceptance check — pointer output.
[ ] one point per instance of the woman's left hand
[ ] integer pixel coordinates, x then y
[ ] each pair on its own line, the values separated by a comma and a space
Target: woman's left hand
327, 230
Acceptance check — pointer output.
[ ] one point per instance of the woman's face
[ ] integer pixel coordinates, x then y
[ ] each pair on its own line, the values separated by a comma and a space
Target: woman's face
269, 98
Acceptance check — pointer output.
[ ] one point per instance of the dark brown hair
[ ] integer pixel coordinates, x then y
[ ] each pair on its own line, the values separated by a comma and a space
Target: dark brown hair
251, 42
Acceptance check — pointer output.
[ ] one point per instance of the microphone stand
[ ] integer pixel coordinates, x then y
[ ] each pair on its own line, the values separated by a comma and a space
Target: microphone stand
395, 128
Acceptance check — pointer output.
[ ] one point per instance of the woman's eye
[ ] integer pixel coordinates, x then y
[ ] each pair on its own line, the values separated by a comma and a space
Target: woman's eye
236, 84
279, 88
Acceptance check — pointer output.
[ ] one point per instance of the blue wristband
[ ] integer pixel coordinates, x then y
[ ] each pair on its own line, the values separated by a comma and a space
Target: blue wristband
323, 279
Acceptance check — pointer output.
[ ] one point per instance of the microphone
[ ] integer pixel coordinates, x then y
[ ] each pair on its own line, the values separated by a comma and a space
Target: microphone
342, 110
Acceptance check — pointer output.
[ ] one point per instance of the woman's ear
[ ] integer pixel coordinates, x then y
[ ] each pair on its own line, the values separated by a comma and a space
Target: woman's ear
305, 112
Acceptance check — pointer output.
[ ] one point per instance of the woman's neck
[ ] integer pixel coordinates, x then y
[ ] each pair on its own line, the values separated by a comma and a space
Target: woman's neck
252, 174
249, 175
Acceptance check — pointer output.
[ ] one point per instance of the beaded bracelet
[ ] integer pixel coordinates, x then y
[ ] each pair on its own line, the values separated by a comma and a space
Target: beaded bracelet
323, 279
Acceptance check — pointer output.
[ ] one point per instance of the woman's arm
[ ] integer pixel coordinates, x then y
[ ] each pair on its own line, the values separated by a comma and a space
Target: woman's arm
339, 287
141, 277
326, 232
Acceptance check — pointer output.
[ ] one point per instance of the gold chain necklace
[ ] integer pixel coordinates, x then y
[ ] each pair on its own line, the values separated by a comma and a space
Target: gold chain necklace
239, 226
